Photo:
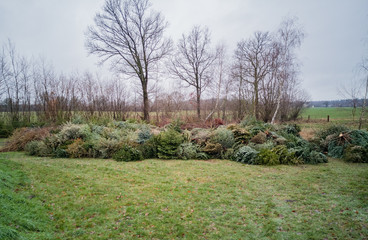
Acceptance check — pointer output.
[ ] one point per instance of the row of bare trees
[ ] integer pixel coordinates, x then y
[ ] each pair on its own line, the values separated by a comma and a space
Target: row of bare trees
32, 86
260, 78
264, 68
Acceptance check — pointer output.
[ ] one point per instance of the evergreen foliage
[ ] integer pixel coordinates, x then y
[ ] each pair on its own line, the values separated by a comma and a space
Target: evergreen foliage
168, 143
356, 154
246, 155
190, 151
224, 137
128, 154
267, 157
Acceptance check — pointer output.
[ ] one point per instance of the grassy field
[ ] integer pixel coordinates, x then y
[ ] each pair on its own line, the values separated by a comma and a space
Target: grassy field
318, 119
155, 199
336, 113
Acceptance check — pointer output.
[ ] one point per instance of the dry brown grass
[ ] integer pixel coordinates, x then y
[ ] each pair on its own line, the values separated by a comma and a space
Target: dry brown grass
22, 136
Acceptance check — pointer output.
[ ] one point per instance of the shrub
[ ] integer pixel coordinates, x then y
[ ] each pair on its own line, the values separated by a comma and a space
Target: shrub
149, 148
335, 129
53, 142
316, 157
279, 140
267, 157
190, 151
213, 149
308, 155
78, 119
250, 121
60, 152
292, 129
22, 136
37, 148
335, 150
267, 145
97, 129
77, 149
112, 133
224, 137
358, 137
144, 135
127, 125
89, 147
5, 129
175, 125
201, 136
128, 154
168, 143
187, 151
229, 153
241, 136
73, 131
292, 141
187, 135
337, 143
107, 147
356, 154
260, 138
285, 156
245, 154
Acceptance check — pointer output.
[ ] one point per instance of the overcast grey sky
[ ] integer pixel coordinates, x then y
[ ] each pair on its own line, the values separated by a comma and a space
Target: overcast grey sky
337, 31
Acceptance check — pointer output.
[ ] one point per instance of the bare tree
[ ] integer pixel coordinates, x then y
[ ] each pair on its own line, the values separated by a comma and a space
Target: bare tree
289, 37
219, 77
193, 61
255, 54
351, 91
364, 68
238, 75
4, 75
131, 35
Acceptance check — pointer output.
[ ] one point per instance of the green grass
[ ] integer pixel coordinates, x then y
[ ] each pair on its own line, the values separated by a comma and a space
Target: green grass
155, 199
336, 113
22, 214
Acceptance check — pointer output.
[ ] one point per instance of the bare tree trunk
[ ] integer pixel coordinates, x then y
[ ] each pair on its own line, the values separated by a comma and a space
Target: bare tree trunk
198, 104
145, 104
364, 104
278, 103
256, 100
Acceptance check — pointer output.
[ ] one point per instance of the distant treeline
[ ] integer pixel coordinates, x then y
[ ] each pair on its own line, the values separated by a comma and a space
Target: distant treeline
337, 103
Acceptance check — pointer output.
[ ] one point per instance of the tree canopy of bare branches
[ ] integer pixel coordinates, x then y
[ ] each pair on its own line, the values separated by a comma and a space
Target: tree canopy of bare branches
266, 67
193, 61
255, 55
131, 36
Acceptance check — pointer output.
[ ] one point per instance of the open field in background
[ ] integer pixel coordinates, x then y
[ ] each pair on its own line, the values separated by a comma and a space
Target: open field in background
336, 113
215, 199
318, 119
